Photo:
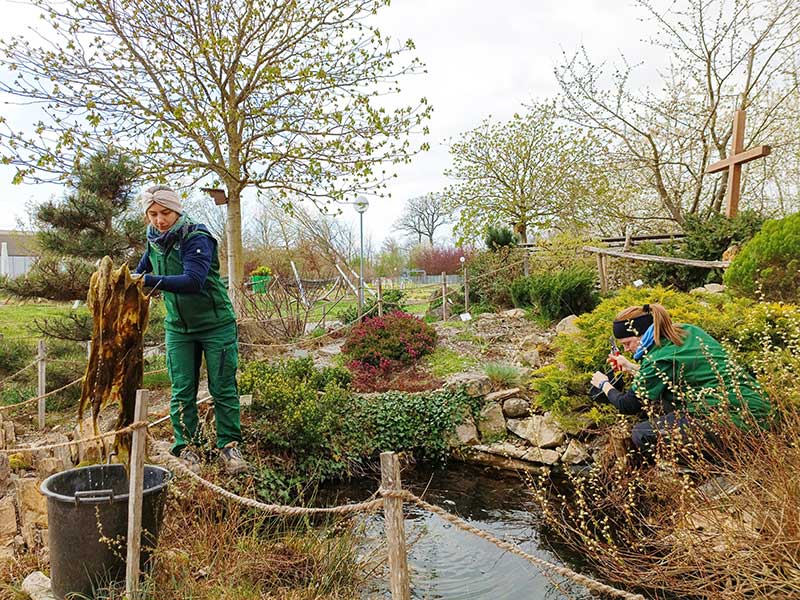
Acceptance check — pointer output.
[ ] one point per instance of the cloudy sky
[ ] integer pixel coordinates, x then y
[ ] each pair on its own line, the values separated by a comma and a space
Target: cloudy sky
483, 58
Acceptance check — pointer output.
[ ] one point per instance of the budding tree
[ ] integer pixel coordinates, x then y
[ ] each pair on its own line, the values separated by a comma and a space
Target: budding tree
723, 55
282, 95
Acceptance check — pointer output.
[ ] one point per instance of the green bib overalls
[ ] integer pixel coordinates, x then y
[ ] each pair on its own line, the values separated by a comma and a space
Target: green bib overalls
197, 325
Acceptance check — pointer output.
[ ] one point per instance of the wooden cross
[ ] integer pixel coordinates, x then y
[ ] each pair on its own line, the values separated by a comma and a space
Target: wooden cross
734, 163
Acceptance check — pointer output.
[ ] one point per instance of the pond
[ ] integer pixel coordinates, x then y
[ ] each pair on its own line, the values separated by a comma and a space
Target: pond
448, 563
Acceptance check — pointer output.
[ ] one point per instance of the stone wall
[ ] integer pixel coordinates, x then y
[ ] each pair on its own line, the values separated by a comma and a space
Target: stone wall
509, 433
23, 508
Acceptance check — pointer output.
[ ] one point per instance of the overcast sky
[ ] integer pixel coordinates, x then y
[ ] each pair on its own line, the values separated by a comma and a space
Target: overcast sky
483, 58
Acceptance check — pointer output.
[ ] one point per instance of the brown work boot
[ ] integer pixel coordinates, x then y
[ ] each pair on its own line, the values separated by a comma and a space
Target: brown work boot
190, 459
232, 460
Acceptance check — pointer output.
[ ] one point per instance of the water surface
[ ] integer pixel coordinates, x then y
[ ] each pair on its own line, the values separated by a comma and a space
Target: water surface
448, 563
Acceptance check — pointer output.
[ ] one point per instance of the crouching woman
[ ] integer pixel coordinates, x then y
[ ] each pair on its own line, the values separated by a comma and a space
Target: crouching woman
681, 377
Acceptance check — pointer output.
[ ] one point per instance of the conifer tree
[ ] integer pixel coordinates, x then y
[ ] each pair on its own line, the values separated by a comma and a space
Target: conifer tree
93, 219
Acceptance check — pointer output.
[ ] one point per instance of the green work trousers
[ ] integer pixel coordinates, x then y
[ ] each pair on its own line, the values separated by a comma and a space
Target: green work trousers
184, 357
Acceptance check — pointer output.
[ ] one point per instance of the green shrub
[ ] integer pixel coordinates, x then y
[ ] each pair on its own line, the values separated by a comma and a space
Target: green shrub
15, 354
316, 429
420, 423
397, 337
560, 252
521, 292
502, 374
490, 275
705, 240
746, 328
499, 237
769, 263
392, 300
563, 293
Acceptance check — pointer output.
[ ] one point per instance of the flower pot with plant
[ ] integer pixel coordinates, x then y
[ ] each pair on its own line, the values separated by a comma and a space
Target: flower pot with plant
260, 278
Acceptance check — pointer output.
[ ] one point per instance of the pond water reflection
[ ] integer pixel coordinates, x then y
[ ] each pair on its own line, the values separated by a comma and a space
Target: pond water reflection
448, 563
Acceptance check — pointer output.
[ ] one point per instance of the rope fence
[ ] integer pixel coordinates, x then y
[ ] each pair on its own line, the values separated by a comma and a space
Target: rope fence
401, 495
22, 370
391, 500
29, 401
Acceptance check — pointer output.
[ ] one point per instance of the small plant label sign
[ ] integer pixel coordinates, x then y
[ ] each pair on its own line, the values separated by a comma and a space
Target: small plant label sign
465, 317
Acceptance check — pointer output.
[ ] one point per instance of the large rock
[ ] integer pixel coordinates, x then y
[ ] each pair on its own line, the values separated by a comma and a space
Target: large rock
714, 288
9, 434
31, 503
540, 431
497, 461
506, 449
575, 453
50, 466
5, 472
6, 556
491, 422
531, 357
331, 349
516, 408
8, 521
514, 313
37, 586
541, 455
475, 384
501, 395
466, 432
567, 325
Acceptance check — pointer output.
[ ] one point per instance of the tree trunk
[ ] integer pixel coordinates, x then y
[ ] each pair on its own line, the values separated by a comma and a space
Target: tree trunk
233, 231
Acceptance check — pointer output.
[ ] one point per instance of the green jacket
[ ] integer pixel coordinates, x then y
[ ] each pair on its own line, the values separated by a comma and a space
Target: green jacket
700, 377
189, 312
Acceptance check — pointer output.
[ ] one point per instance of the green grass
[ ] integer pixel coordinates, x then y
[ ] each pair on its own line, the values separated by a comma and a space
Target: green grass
444, 362
502, 374
16, 319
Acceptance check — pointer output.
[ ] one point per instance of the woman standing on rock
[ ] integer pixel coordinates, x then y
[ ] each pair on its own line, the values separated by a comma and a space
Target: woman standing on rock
181, 260
681, 376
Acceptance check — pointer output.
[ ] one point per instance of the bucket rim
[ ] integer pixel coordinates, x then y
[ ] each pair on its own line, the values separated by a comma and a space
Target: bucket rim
49, 494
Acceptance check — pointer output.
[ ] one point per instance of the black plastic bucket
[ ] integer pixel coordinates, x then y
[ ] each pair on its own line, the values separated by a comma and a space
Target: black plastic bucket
87, 516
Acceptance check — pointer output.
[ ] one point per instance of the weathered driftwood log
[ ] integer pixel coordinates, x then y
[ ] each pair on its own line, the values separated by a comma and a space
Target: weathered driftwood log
115, 369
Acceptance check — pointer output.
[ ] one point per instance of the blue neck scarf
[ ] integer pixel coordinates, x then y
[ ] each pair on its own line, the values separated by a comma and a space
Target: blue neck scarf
647, 341
166, 239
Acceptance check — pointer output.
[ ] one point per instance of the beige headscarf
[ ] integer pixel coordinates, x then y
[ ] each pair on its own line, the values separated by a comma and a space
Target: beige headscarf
163, 195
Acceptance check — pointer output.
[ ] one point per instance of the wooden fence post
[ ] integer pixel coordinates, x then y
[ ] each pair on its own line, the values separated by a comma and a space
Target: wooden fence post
380, 296
42, 388
395, 533
444, 296
135, 492
601, 272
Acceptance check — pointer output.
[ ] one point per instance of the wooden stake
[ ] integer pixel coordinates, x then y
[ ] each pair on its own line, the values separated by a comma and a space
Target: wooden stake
135, 492
380, 296
444, 296
42, 388
395, 533
601, 273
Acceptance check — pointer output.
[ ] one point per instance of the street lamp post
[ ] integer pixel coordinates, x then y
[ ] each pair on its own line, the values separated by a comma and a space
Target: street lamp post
361, 204
466, 288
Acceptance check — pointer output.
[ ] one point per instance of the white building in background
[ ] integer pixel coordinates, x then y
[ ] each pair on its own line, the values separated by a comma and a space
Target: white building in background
18, 251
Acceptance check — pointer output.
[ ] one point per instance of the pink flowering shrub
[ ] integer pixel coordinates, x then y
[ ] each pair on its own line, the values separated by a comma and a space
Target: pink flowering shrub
381, 346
